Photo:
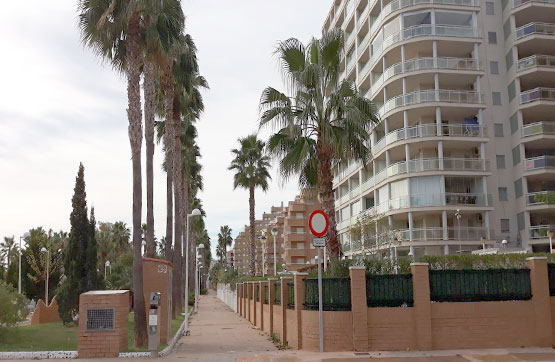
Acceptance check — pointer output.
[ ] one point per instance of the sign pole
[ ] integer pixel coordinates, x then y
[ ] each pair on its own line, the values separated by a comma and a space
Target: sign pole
320, 303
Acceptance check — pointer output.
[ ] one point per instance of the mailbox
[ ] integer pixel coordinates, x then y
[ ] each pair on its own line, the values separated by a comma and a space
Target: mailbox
153, 323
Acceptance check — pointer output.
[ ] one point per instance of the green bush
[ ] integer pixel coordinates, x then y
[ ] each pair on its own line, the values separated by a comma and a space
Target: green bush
13, 306
481, 262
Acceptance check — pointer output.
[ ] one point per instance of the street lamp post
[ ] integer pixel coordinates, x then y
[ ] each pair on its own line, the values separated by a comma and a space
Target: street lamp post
458, 216
197, 275
25, 236
274, 233
195, 212
44, 250
550, 233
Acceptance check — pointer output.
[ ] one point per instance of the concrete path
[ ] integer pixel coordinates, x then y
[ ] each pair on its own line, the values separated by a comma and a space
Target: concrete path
219, 335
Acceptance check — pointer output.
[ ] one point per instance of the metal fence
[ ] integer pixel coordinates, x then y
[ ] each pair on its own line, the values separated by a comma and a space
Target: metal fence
551, 273
277, 293
479, 285
389, 290
336, 294
291, 287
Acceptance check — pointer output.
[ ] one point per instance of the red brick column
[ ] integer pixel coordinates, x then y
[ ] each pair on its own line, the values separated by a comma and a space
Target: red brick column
422, 305
238, 291
359, 307
272, 295
541, 300
284, 303
262, 294
298, 280
255, 308
249, 297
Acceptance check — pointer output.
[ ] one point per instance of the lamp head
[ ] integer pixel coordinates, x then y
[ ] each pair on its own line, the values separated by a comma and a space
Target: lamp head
43, 250
26, 235
274, 231
196, 212
107, 263
504, 241
201, 246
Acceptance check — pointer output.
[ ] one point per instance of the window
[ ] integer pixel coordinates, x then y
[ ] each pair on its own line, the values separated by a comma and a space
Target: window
520, 221
518, 188
514, 123
503, 195
500, 161
505, 225
494, 67
490, 9
422, 18
507, 29
496, 98
492, 37
516, 155
453, 18
504, 3
512, 91
498, 128
509, 59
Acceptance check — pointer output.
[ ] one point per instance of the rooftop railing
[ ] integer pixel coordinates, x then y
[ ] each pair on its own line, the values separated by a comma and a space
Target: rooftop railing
540, 162
536, 61
535, 28
537, 94
542, 127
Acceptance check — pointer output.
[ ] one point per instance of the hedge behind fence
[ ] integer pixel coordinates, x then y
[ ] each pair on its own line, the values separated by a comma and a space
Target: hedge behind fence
480, 285
393, 290
336, 294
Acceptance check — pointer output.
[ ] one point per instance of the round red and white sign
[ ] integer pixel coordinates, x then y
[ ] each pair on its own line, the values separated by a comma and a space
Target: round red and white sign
318, 223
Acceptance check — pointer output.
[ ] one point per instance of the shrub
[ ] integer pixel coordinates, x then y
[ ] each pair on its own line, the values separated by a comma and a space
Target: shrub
13, 306
481, 262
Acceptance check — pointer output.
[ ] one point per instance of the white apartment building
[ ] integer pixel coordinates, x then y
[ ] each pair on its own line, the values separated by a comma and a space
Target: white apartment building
465, 90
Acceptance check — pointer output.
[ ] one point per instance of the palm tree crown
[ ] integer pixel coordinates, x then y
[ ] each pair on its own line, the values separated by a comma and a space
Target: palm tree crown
251, 164
321, 122
224, 240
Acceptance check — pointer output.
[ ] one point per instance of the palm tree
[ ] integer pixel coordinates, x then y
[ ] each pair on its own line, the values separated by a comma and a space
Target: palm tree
8, 250
224, 240
251, 166
116, 30
323, 121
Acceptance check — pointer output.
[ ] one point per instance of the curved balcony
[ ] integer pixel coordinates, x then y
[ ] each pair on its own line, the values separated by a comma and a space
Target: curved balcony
538, 128
535, 61
537, 94
414, 65
434, 200
517, 3
533, 29
421, 31
539, 198
429, 130
539, 163
397, 5
432, 95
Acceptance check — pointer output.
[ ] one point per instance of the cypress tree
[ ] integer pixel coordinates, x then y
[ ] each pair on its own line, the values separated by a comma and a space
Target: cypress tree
93, 279
75, 253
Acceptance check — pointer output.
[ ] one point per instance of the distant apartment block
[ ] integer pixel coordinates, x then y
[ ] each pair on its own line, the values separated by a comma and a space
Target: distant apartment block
465, 91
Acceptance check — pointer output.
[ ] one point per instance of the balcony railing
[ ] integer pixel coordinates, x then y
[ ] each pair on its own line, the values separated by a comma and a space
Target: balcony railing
350, 39
536, 61
542, 127
517, 3
539, 198
540, 231
540, 162
416, 64
535, 28
400, 4
536, 94
423, 30
410, 201
432, 95
362, 17
363, 44
351, 63
437, 233
430, 130
364, 71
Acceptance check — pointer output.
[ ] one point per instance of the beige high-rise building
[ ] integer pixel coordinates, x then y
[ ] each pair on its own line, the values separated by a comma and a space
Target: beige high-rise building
465, 90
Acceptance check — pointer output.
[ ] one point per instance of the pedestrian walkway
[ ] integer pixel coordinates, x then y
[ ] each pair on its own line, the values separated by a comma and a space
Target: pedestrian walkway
219, 335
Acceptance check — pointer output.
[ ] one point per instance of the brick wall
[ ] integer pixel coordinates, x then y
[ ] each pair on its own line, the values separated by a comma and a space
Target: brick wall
157, 278
391, 329
277, 321
292, 339
338, 331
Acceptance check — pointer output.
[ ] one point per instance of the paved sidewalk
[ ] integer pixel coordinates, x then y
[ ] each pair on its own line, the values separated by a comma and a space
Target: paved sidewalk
219, 335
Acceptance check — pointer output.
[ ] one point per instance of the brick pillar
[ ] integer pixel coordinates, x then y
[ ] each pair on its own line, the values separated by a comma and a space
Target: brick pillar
238, 291
359, 307
262, 294
284, 302
422, 305
254, 309
249, 296
541, 300
298, 279
272, 295
243, 296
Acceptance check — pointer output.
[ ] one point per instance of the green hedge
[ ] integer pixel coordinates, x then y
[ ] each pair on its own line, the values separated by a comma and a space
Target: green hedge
336, 294
291, 287
393, 290
277, 294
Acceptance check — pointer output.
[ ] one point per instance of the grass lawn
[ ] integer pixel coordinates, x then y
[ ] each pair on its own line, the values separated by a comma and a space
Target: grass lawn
56, 337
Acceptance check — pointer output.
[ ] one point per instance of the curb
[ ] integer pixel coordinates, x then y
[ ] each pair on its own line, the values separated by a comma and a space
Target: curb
73, 354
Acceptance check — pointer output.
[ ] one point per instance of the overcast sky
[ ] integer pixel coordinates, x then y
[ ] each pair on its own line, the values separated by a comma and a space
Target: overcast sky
59, 105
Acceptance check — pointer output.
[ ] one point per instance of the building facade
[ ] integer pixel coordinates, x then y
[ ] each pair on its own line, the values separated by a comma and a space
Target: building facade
465, 92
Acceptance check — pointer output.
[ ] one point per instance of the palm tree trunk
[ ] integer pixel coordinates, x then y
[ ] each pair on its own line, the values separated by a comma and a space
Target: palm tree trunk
252, 232
325, 190
149, 94
135, 138
169, 213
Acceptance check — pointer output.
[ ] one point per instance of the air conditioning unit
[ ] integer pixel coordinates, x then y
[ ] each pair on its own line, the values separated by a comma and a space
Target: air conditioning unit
479, 218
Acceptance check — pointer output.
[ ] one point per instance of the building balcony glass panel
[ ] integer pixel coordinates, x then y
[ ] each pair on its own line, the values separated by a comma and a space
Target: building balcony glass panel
540, 231
364, 71
539, 198
536, 94
542, 127
363, 44
455, 199
535, 28
362, 17
437, 233
536, 61
517, 3
351, 63
541, 162
350, 39
369, 183
432, 95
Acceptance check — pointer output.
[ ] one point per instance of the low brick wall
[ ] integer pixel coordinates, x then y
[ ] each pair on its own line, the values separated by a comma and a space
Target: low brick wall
424, 326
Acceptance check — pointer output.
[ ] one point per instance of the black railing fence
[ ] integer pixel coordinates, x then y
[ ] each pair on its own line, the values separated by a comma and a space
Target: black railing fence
393, 290
336, 294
